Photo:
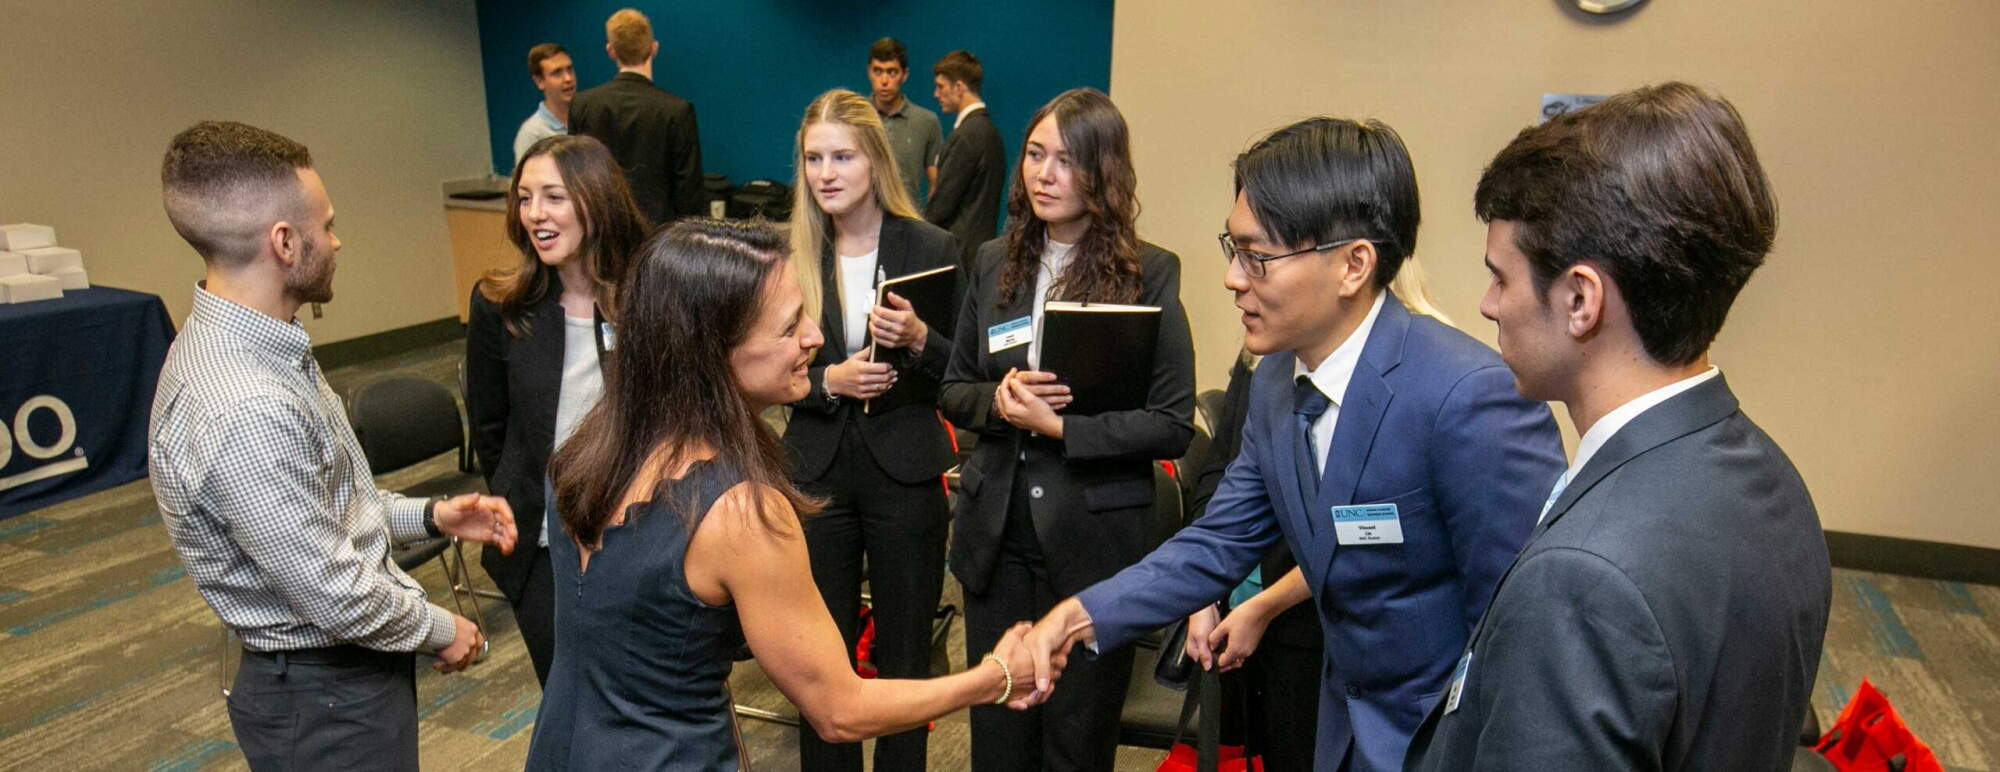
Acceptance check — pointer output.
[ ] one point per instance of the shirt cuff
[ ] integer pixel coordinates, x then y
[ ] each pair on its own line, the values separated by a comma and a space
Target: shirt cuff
406, 519
443, 629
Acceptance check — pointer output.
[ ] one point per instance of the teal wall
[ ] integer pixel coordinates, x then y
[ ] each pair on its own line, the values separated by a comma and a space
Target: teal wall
751, 66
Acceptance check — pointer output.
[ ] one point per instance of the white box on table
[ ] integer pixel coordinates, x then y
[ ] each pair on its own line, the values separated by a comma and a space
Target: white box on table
71, 278
26, 287
26, 235
12, 263
52, 259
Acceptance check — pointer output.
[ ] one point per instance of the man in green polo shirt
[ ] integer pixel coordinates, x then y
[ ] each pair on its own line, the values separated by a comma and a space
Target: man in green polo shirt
914, 136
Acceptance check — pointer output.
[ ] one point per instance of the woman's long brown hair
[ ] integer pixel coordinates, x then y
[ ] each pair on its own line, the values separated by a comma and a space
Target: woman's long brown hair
613, 228
1105, 266
669, 391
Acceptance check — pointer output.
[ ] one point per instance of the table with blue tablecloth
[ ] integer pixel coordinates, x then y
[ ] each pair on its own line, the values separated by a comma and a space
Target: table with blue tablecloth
76, 390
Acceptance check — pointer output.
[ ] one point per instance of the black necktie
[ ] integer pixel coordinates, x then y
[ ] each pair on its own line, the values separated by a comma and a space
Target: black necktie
1308, 405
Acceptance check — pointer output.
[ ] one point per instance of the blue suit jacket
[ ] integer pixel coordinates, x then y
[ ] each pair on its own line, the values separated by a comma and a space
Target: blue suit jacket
1432, 423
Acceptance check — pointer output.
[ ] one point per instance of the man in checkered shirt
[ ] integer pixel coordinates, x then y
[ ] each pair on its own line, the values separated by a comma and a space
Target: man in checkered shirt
263, 487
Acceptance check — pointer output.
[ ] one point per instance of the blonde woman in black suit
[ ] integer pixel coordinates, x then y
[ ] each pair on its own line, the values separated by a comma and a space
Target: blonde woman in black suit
1053, 503
879, 470
533, 343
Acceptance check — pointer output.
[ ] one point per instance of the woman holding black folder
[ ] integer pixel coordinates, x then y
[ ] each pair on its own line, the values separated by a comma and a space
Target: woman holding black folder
1054, 502
866, 438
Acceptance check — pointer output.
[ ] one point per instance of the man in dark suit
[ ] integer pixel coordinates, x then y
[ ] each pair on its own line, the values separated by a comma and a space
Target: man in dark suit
1389, 450
1668, 611
972, 167
652, 133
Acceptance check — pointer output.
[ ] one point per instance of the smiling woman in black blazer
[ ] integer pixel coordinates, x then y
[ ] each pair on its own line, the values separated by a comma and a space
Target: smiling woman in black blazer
879, 470
532, 349
1053, 503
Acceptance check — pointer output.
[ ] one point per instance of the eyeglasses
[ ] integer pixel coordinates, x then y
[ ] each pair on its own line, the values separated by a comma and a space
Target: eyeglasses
1253, 262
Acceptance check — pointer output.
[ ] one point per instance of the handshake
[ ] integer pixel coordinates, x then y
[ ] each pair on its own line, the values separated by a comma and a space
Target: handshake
1030, 658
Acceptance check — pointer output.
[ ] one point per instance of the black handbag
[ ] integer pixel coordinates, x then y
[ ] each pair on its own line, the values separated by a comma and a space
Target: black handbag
1174, 668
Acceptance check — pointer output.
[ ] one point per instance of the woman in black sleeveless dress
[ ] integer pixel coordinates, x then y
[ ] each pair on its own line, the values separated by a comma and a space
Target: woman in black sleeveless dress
681, 534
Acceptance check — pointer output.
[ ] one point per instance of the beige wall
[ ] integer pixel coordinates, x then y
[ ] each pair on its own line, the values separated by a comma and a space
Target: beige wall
388, 96
1869, 345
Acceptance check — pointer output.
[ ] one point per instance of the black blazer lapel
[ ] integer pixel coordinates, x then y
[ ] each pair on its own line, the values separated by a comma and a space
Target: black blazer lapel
1682, 414
833, 318
892, 248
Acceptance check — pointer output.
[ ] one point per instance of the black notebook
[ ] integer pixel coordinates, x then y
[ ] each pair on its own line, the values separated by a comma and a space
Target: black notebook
1103, 351
933, 294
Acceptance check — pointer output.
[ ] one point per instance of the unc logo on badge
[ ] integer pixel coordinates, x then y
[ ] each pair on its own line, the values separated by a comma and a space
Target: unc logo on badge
30, 447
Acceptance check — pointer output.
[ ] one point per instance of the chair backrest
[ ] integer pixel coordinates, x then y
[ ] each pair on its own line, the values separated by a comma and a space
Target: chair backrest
404, 419
1208, 406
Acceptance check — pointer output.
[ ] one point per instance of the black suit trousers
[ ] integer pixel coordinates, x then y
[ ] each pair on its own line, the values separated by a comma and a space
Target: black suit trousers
894, 533
1077, 729
342, 707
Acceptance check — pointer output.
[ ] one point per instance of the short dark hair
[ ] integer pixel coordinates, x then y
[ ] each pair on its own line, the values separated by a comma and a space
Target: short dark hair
890, 50
1326, 179
539, 53
960, 66
224, 183
1660, 188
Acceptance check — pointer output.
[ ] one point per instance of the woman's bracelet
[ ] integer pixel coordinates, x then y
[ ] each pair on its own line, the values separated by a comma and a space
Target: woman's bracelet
1006, 673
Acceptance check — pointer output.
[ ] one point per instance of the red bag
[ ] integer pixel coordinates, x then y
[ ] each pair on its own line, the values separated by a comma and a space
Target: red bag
1870, 737
864, 648
1204, 698
1230, 759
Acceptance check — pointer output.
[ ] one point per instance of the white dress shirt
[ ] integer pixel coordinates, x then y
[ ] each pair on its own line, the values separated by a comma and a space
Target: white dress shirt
582, 386
857, 296
1055, 260
1331, 377
965, 111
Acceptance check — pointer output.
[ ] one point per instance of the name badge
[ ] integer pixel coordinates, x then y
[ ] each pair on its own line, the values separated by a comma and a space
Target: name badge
610, 338
1458, 682
1367, 524
1006, 335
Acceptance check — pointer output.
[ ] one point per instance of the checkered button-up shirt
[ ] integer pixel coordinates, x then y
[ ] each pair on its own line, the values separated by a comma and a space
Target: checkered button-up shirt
267, 496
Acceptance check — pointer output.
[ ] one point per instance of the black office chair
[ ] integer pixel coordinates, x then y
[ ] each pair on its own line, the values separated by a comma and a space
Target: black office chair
1208, 407
403, 420
1152, 712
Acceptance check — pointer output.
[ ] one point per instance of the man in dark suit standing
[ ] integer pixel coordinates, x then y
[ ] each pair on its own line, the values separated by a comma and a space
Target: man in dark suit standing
972, 167
651, 132
1388, 450
1668, 611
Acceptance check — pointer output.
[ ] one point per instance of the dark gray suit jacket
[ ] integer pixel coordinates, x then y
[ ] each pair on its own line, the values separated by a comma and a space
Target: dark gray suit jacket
1667, 614
653, 136
972, 171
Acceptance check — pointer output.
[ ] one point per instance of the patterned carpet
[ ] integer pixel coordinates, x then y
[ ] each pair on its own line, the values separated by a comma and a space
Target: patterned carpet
110, 660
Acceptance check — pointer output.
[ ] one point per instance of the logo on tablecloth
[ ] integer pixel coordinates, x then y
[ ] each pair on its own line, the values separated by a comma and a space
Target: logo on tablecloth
33, 448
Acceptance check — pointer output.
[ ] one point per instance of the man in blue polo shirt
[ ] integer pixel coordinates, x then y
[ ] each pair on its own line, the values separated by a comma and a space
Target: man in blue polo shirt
550, 66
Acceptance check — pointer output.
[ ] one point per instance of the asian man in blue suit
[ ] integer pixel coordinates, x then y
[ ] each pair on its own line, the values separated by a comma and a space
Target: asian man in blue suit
1668, 611
1390, 451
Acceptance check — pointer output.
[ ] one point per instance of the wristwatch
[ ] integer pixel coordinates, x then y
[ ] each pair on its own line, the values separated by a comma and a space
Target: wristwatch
430, 517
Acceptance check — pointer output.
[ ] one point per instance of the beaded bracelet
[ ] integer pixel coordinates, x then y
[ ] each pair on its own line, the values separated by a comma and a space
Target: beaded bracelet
1006, 673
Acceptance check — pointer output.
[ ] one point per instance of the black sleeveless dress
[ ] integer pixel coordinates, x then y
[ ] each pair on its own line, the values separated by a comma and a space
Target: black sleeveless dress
640, 677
